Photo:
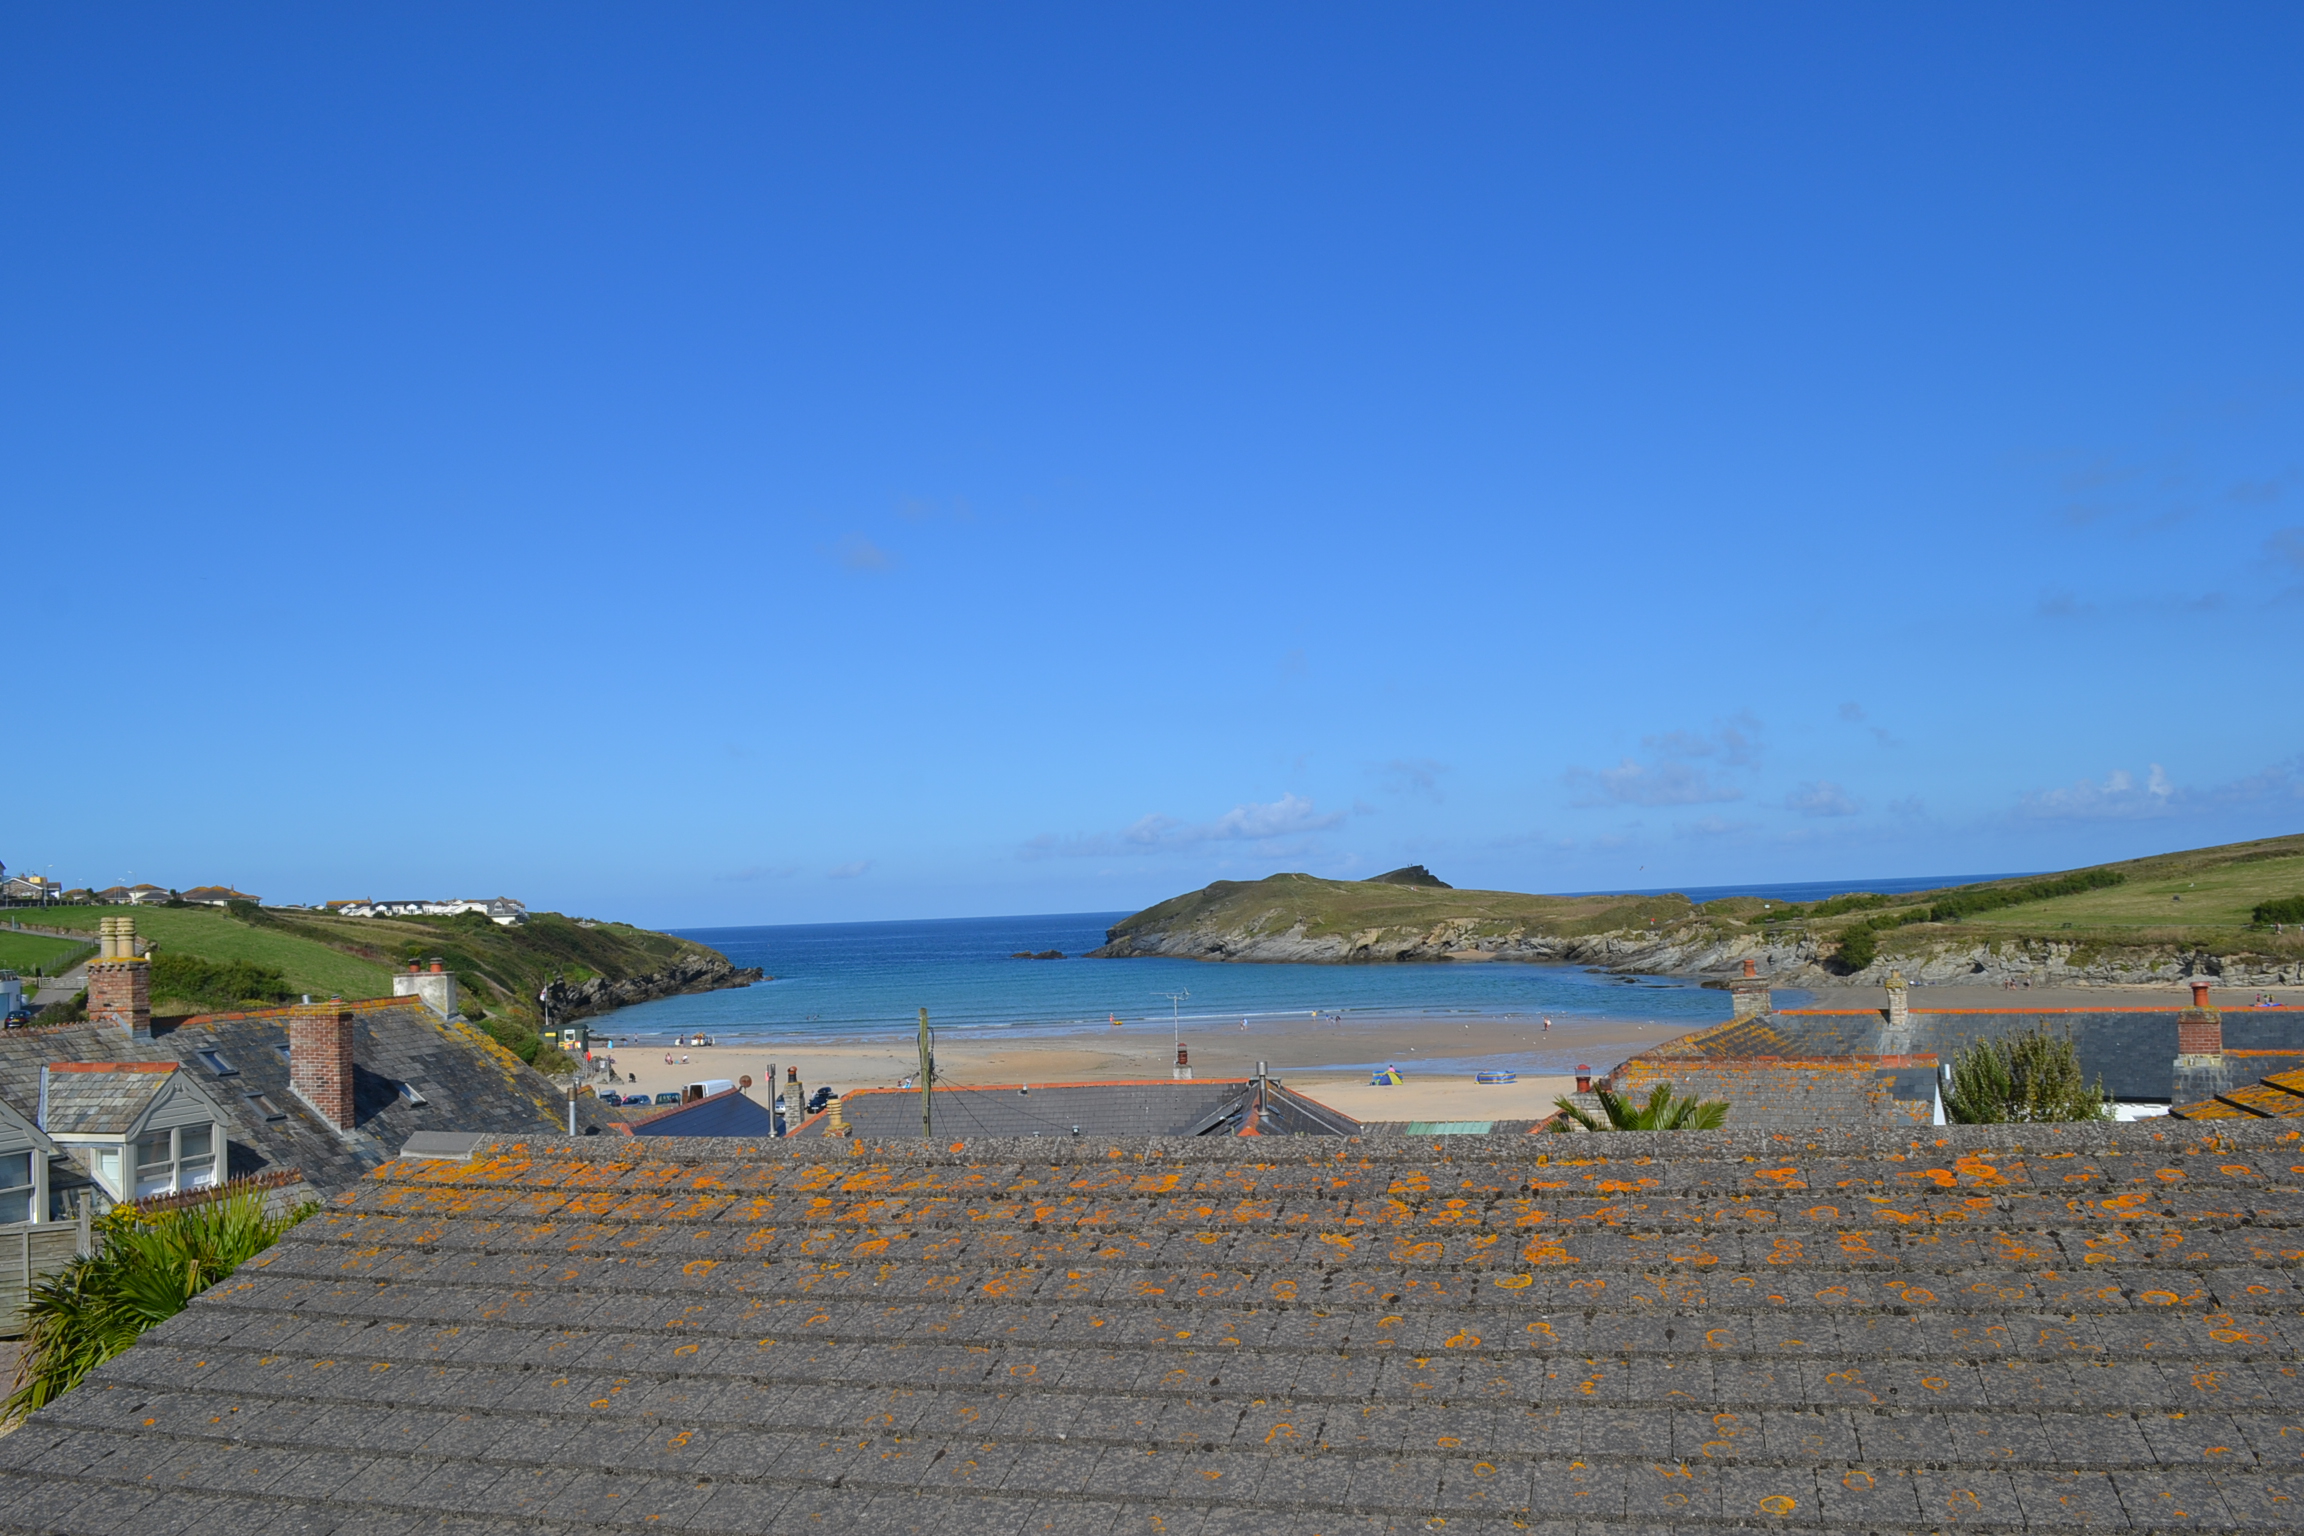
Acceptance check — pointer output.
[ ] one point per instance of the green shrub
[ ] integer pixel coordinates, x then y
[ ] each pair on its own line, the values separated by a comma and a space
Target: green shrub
1961, 904
144, 1270
1859, 947
2284, 909
2028, 1079
220, 985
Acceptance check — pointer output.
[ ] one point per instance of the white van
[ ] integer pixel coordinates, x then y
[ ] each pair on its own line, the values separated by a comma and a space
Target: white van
705, 1089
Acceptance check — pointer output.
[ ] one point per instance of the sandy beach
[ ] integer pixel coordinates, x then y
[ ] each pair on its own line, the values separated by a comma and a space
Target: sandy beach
1329, 1061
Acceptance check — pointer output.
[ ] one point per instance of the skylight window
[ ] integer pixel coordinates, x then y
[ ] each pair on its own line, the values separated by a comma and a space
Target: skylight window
416, 1100
267, 1108
215, 1062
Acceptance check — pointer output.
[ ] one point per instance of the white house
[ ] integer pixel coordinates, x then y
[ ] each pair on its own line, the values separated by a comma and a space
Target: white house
497, 909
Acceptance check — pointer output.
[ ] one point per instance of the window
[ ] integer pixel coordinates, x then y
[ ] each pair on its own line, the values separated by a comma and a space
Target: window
16, 1186
106, 1162
415, 1100
155, 1164
168, 1161
195, 1157
217, 1064
266, 1107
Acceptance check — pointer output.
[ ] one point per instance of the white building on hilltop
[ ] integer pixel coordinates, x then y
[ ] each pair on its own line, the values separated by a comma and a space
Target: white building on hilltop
498, 909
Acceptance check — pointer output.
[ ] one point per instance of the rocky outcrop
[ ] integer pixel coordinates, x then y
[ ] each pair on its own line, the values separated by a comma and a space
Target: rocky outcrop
1788, 961
699, 972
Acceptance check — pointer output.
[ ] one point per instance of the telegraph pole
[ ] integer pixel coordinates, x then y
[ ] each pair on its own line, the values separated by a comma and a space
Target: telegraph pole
927, 1076
1176, 1016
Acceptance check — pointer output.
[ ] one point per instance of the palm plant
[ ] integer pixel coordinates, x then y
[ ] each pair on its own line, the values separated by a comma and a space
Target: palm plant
1662, 1112
143, 1272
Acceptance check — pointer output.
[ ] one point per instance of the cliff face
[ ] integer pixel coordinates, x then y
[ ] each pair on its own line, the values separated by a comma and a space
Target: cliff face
688, 973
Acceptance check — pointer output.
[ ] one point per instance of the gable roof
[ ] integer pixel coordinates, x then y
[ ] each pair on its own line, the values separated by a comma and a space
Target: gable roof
468, 1082
2041, 1327
107, 1098
1140, 1108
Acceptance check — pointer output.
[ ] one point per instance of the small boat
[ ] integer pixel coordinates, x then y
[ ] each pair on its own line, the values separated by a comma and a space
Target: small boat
1495, 1077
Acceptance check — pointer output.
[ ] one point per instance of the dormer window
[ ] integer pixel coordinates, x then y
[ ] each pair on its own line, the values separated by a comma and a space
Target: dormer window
169, 1161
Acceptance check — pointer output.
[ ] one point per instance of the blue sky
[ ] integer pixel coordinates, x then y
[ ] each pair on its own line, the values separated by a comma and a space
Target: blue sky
740, 464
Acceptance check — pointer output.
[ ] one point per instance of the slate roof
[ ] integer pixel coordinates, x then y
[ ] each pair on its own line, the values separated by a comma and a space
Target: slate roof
469, 1083
97, 1099
2278, 1097
2132, 1048
2040, 1328
729, 1113
1142, 1108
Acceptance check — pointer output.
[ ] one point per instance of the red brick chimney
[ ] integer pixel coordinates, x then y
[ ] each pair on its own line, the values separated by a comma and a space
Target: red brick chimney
320, 1060
120, 980
1750, 992
2201, 1069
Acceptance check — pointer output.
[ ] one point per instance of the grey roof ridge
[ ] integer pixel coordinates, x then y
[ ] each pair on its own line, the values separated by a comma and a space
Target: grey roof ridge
1728, 1145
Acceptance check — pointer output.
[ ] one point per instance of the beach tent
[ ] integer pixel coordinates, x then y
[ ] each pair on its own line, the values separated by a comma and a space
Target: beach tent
1388, 1078
1496, 1077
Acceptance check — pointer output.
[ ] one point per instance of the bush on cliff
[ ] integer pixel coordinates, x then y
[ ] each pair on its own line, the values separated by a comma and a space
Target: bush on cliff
2286, 909
1859, 947
526, 1044
2028, 1079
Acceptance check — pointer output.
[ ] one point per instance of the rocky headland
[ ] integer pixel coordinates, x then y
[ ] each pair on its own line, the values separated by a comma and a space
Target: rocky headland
697, 971
2099, 927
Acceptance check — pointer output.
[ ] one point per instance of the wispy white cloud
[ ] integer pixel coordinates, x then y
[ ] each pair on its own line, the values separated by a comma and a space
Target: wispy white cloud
1411, 775
1821, 797
1290, 816
848, 871
2118, 798
857, 552
1734, 741
1636, 783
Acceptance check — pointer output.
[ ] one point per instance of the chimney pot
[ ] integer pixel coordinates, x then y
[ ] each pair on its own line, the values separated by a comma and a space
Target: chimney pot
2199, 993
437, 967
1584, 1078
1751, 969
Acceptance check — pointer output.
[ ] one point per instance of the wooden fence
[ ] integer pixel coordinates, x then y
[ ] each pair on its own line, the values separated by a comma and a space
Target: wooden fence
29, 1253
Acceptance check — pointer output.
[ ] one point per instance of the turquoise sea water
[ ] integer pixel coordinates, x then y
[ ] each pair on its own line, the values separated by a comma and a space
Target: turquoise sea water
855, 979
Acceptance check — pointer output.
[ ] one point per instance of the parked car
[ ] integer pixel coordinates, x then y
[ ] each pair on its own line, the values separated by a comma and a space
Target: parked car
820, 1098
19, 1017
610, 1096
670, 1096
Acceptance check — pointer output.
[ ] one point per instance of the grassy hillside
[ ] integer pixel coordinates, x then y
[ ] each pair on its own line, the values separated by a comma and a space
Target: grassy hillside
2200, 900
499, 969
25, 953
209, 934
1342, 907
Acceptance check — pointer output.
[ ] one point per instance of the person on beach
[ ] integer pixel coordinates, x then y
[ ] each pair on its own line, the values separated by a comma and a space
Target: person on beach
1547, 1023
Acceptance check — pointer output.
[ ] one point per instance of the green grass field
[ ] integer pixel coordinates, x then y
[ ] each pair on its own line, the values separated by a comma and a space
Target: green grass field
499, 968
26, 952
2174, 891
310, 966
